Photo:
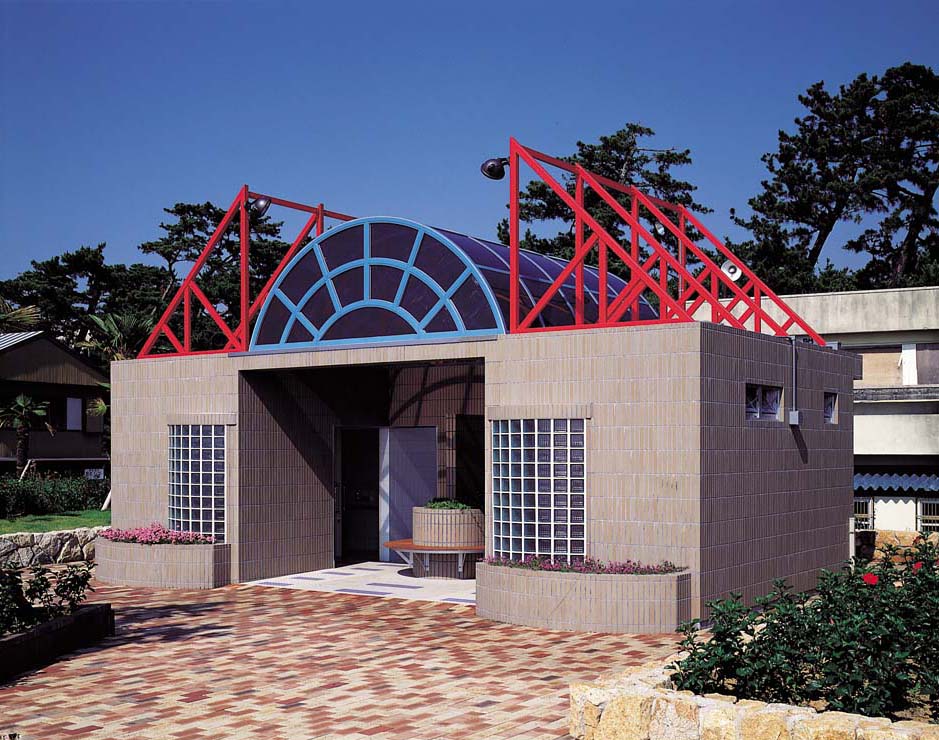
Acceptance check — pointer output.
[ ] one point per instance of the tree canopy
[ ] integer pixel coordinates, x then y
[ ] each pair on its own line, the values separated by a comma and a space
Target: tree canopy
865, 155
620, 157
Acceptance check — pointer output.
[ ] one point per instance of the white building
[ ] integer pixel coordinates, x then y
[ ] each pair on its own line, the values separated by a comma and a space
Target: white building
896, 402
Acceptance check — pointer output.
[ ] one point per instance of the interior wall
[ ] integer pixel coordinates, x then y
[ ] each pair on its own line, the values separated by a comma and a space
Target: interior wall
434, 395
287, 421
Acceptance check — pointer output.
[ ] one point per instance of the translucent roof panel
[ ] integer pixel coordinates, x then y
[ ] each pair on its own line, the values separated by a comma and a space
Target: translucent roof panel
392, 280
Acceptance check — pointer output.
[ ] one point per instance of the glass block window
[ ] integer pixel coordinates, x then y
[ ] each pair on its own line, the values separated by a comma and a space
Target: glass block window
197, 479
927, 515
863, 512
538, 488
763, 401
830, 408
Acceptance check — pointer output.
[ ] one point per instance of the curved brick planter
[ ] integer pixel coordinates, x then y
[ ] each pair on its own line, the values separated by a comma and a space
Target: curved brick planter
454, 528
447, 527
583, 602
163, 566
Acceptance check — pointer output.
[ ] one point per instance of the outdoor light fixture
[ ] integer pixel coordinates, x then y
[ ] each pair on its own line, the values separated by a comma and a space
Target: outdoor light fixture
260, 205
494, 168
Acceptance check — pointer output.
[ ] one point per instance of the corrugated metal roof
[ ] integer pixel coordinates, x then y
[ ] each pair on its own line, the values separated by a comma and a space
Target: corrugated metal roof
919, 482
12, 338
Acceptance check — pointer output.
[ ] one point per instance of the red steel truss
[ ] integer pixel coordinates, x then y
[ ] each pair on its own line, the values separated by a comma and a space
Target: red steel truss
239, 336
706, 287
747, 305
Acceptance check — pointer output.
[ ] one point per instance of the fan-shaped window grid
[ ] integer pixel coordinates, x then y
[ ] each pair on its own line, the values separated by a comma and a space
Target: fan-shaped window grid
197, 479
377, 280
390, 279
538, 488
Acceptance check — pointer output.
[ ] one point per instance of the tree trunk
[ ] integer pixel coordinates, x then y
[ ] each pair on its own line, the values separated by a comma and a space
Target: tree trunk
22, 448
907, 254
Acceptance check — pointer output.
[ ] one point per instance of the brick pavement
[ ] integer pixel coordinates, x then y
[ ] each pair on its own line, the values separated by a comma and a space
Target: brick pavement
250, 662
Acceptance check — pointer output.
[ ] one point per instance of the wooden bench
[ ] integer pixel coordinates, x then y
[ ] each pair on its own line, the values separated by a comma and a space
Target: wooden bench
408, 550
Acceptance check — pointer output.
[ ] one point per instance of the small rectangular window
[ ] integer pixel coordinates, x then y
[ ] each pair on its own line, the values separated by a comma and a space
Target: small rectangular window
927, 515
830, 410
863, 512
73, 414
763, 401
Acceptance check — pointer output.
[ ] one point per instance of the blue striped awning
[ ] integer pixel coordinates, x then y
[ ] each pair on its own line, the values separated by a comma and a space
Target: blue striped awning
917, 482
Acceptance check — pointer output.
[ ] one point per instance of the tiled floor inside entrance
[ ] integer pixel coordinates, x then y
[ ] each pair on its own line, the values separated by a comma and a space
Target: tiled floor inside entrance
385, 580
279, 663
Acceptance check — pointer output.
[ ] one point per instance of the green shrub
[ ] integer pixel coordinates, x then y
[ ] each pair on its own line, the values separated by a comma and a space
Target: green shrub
867, 641
41, 595
446, 503
50, 495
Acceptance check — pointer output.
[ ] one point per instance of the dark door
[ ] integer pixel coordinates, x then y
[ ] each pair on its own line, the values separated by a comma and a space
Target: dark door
470, 460
358, 483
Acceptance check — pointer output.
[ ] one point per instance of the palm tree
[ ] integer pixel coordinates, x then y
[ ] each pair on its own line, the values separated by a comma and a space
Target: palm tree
22, 318
118, 336
22, 415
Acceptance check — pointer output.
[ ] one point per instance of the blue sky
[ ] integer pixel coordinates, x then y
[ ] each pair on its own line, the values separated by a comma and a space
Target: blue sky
110, 111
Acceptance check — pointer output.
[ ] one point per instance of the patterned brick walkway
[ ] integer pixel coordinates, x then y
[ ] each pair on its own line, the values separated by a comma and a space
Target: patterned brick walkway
251, 662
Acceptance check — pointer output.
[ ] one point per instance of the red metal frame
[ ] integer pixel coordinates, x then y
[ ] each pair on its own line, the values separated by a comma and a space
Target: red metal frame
706, 285
239, 336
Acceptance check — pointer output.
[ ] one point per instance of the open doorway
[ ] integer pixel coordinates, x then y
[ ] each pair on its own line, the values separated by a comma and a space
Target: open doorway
357, 495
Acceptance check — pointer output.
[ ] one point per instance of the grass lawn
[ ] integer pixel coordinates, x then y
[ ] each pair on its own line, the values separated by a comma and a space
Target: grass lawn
52, 522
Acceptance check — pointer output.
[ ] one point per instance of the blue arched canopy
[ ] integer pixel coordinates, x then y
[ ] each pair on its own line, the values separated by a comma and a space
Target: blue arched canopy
393, 280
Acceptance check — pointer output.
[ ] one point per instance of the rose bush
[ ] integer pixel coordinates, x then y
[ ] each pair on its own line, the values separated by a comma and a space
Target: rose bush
867, 641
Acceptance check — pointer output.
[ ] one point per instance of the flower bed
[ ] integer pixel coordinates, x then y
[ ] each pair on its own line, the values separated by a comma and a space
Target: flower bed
156, 534
186, 565
587, 565
583, 601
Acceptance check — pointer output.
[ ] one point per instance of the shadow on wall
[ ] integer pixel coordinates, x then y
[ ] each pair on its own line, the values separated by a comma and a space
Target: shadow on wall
801, 444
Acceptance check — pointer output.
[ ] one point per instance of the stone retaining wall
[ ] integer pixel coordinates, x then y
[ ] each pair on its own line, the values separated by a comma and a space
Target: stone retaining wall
164, 566
26, 549
642, 705
583, 602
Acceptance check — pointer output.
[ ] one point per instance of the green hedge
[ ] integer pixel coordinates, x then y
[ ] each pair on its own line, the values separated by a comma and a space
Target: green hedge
50, 495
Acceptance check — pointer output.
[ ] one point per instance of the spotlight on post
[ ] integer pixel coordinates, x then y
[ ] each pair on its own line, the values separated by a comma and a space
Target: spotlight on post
260, 205
494, 168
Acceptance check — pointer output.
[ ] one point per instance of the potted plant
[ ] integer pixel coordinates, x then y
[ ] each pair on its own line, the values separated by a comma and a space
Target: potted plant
447, 523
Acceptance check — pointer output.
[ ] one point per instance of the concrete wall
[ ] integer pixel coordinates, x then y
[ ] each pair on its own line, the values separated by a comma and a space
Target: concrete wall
896, 434
894, 311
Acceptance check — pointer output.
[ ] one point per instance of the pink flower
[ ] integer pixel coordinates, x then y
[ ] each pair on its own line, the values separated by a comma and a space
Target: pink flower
917, 565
